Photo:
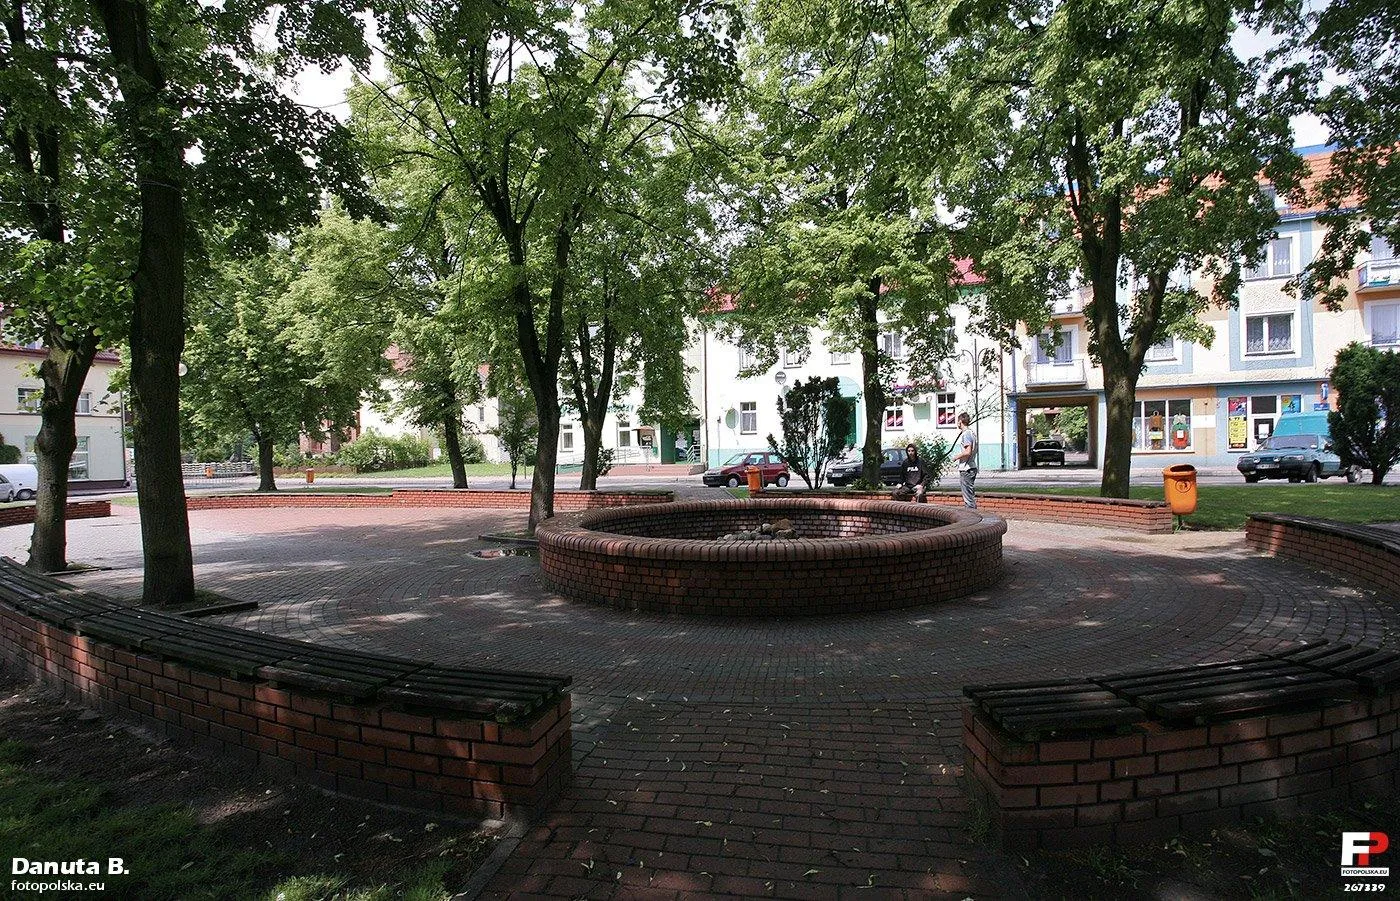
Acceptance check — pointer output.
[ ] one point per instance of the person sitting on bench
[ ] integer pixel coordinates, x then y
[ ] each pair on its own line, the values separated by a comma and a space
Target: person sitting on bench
915, 475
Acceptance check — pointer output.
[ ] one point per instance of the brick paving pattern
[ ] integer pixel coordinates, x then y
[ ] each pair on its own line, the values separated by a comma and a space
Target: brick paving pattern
802, 758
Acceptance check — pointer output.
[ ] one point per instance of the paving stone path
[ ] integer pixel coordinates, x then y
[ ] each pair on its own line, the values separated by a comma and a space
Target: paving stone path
815, 758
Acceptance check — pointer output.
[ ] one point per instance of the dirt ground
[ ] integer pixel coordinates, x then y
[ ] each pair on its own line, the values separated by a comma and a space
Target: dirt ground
275, 833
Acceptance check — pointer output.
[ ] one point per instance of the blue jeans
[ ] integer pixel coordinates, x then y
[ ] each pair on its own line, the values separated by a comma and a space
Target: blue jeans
967, 477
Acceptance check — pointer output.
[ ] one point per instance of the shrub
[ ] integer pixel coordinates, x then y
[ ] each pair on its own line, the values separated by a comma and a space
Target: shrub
9, 454
473, 451
288, 456
372, 452
605, 460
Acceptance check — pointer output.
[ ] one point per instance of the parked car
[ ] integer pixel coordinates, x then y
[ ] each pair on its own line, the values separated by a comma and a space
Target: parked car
1300, 450
846, 471
7, 491
734, 471
1298, 458
23, 479
1048, 450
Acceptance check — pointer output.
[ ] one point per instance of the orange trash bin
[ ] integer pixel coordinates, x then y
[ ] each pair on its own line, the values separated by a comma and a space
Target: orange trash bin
310, 476
755, 477
1179, 482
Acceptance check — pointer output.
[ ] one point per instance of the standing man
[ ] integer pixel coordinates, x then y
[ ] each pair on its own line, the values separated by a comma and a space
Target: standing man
966, 458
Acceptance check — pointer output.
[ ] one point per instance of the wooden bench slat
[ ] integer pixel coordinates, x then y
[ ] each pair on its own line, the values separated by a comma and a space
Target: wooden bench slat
1209, 709
1213, 675
1220, 681
132, 627
241, 658
1376, 669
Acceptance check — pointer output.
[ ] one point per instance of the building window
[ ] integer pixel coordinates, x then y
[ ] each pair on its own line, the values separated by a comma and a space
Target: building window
1385, 324
1272, 334
566, 437
1162, 425
1277, 262
947, 406
892, 343
793, 358
78, 468
1381, 251
624, 431
29, 399
894, 418
840, 358
745, 358
748, 417
85, 402
1162, 351
480, 414
1055, 347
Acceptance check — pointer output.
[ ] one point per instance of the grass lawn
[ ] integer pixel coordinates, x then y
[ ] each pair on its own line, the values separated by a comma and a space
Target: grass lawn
1227, 506
436, 470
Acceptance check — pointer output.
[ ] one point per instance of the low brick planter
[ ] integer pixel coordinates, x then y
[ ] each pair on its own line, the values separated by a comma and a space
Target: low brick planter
404, 743
1108, 512
564, 501
1158, 781
856, 556
1368, 555
23, 516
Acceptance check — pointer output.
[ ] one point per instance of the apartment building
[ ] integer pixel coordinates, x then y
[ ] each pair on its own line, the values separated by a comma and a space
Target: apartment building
1271, 354
100, 458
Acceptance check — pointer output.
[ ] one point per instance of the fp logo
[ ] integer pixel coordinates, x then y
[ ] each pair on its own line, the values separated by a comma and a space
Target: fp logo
1357, 850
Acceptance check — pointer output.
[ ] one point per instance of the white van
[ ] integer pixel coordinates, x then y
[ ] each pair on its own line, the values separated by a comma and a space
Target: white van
23, 480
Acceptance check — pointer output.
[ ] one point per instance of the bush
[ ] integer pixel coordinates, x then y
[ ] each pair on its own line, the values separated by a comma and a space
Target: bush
372, 452
9, 454
288, 456
473, 451
605, 460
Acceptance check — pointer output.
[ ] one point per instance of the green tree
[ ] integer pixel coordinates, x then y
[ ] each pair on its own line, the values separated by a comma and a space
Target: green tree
814, 417
1365, 427
514, 107
1360, 188
66, 245
276, 351
832, 233
640, 277
185, 75
517, 429
1114, 142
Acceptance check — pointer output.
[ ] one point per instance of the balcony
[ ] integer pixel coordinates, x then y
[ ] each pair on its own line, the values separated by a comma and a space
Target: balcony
1379, 274
1055, 375
1070, 304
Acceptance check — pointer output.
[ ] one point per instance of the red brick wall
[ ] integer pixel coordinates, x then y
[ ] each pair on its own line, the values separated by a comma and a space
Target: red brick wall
1116, 513
1367, 555
615, 558
23, 516
564, 501
431, 759
1158, 781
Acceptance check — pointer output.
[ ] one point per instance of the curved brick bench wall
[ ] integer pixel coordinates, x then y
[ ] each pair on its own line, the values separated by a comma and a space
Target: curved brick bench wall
442, 757
564, 501
1117, 513
1368, 555
23, 516
637, 559
1159, 781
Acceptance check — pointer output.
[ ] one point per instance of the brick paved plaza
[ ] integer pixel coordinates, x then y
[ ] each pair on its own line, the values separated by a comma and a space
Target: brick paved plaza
800, 758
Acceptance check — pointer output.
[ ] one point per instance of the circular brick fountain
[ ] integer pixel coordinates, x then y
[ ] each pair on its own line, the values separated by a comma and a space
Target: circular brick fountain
848, 556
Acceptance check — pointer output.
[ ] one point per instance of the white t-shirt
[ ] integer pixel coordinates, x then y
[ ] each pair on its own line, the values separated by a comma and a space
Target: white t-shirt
967, 441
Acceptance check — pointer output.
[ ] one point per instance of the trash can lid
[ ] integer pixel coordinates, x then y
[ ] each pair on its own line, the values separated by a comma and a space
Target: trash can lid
1179, 469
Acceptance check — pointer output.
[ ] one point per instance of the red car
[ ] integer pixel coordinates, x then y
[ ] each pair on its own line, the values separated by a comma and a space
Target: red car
734, 472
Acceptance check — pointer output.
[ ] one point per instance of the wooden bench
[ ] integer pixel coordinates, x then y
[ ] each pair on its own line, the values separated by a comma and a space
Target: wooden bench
482, 741
1140, 756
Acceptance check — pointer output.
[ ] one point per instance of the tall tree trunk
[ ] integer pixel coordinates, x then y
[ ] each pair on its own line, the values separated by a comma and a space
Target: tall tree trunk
592, 447
872, 387
158, 315
452, 440
63, 371
267, 479
1120, 390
